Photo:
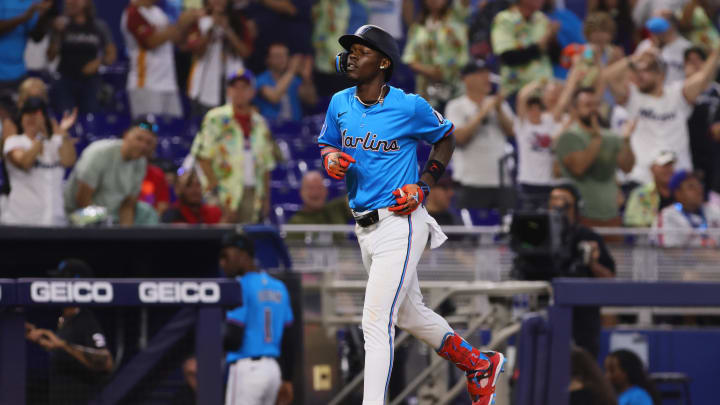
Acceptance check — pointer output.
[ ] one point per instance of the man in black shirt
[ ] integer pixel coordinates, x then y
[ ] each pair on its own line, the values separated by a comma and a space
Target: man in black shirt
587, 256
79, 358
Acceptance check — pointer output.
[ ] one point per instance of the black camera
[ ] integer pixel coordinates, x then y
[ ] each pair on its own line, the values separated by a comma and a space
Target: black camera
546, 246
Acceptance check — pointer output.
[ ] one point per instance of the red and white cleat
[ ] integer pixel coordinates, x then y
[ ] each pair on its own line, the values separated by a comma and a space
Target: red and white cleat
481, 383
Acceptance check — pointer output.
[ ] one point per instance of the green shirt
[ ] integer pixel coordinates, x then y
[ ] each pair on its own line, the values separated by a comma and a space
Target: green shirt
102, 167
510, 31
335, 212
597, 185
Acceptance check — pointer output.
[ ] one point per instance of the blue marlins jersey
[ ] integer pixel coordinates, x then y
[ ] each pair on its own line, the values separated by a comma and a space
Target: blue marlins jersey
264, 314
383, 140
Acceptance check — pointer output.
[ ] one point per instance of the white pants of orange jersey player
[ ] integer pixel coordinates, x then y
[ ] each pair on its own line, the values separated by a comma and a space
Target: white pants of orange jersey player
391, 250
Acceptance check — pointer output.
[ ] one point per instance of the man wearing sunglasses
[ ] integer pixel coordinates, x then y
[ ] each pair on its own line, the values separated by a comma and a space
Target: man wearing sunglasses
110, 173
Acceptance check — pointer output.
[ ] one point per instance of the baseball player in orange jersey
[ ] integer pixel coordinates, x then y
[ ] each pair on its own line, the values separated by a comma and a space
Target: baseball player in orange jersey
370, 139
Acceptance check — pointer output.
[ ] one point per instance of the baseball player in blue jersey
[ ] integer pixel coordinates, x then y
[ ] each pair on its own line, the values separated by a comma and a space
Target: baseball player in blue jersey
255, 330
370, 139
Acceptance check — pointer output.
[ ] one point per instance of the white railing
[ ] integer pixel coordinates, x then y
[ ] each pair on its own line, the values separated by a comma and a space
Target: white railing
483, 253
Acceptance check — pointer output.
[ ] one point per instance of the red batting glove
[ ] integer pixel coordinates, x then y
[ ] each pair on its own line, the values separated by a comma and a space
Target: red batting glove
336, 162
408, 198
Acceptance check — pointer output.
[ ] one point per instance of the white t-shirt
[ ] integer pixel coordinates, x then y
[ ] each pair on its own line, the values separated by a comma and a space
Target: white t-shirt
618, 118
676, 221
207, 74
673, 54
387, 14
662, 125
36, 195
150, 69
535, 150
476, 164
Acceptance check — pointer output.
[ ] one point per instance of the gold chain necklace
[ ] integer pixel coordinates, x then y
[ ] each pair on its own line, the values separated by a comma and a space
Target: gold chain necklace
380, 98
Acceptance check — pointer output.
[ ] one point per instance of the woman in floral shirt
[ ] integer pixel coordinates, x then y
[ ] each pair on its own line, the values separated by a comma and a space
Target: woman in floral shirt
436, 50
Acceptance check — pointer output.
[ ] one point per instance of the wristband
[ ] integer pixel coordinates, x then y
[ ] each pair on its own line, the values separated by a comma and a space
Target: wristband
435, 168
424, 187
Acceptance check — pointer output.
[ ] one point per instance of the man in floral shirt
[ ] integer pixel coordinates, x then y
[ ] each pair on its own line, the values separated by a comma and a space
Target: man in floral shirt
332, 18
436, 50
521, 36
647, 200
234, 149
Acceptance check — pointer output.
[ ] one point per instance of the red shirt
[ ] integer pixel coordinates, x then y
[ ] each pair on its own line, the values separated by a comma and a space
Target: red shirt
244, 121
154, 188
183, 214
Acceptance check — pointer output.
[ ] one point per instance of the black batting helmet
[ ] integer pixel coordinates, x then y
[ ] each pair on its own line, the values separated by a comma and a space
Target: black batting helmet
373, 37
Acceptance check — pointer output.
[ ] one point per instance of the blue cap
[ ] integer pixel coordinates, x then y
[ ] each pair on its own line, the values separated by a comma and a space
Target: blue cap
243, 74
657, 25
678, 178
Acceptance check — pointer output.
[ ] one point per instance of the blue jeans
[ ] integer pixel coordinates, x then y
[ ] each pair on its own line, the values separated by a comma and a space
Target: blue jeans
82, 93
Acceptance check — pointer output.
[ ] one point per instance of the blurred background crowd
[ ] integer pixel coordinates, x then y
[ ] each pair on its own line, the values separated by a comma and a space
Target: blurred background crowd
195, 111
149, 112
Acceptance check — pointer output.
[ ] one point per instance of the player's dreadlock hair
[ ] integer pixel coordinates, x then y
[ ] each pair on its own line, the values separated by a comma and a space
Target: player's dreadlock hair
633, 367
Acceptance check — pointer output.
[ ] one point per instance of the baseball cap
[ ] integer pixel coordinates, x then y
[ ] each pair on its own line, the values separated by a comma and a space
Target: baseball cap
657, 25
72, 268
241, 74
240, 241
679, 177
33, 104
665, 157
477, 65
375, 38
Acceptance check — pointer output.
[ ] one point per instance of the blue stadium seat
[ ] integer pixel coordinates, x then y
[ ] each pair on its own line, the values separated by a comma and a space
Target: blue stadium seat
480, 217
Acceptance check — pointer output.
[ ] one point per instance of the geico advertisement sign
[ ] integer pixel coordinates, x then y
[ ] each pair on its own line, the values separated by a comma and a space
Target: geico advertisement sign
71, 291
186, 292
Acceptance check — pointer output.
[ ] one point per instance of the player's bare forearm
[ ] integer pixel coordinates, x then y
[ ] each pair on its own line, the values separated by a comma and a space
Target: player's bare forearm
126, 212
442, 152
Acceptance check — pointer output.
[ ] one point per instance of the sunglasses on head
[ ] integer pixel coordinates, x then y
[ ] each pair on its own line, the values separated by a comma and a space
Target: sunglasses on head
148, 126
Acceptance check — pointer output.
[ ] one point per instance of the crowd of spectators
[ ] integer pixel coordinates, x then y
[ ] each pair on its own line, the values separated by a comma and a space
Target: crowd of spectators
621, 101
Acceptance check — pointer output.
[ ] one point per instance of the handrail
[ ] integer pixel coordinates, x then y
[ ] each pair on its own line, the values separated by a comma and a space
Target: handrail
496, 230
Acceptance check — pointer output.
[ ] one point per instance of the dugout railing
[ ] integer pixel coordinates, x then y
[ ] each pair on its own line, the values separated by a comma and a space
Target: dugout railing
570, 293
203, 302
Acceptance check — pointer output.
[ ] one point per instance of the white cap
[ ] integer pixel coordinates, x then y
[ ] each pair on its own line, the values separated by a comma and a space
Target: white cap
665, 157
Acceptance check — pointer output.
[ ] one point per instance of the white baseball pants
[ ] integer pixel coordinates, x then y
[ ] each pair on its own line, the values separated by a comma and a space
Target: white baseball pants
253, 382
391, 250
